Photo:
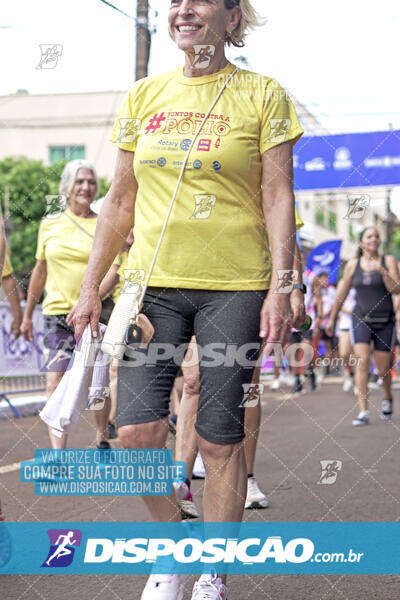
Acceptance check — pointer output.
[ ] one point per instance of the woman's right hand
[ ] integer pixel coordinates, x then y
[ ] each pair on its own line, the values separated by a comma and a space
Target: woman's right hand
27, 329
87, 310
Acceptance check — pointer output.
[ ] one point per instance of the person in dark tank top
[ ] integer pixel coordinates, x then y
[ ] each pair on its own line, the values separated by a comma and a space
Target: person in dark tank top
375, 278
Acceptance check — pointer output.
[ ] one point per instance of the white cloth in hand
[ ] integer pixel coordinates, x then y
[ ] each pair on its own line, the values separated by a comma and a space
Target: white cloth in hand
87, 378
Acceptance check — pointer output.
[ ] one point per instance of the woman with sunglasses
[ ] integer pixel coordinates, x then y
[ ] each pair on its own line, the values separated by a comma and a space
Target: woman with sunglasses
214, 268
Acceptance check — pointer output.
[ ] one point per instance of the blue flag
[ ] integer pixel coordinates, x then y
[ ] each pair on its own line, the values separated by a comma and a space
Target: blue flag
326, 258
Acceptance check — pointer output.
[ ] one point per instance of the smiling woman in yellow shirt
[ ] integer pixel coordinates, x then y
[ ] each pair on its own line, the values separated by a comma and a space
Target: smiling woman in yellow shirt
231, 232
64, 243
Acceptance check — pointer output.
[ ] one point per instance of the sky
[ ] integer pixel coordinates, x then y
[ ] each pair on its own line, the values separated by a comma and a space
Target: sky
338, 58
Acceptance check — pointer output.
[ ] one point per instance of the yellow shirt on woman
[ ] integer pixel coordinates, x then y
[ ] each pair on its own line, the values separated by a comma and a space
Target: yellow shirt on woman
66, 250
216, 237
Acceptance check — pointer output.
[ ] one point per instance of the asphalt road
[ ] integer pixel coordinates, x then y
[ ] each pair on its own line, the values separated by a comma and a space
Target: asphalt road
297, 433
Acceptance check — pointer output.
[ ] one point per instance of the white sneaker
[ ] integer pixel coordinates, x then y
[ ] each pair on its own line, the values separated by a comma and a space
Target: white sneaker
185, 500
348, 383
287, 378
209, 587
360, 421
255, 498
164, 587
199, 471
275, 385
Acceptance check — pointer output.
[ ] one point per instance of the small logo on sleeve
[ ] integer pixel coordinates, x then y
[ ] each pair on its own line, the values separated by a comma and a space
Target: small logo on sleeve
128, 130
279, 129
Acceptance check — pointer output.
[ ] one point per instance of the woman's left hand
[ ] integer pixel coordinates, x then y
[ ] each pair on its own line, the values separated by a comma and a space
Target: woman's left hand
275, 320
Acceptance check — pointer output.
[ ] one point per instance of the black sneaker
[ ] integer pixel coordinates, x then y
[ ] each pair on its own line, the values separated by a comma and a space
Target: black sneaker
103, 445
111, 431
387, 409
313, 381
298, 389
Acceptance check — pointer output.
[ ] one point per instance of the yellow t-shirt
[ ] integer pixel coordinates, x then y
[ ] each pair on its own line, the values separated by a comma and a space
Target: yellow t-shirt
215, 238
7, 269
66, 250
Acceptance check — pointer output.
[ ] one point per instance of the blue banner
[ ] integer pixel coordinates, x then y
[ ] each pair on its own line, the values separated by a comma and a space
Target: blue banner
241, 548
349, 160
325, 258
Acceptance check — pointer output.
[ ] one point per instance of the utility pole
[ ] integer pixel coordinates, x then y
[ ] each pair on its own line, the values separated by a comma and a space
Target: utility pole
143, 39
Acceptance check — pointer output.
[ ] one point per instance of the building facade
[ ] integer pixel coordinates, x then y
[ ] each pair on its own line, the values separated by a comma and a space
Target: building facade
55, 126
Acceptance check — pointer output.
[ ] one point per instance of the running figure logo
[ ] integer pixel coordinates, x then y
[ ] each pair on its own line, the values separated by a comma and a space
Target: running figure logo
55, 205
203, 55
134, 276
285, 281
358, 203
97, 397
330, 471
50, 55
278, 130
59, 357
62, 547
251, 394
203, 205
128, 130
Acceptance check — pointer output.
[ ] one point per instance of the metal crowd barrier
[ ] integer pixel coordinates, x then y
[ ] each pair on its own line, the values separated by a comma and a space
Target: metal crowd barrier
23, 384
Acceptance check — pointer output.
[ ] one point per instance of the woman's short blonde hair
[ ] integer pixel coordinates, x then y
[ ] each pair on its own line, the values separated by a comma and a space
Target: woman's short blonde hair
68, 176
250, 19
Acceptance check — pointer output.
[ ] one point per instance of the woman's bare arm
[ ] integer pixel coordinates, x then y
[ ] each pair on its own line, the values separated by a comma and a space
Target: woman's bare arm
10, 287
35, 291
278, 208
113, 225
391, 275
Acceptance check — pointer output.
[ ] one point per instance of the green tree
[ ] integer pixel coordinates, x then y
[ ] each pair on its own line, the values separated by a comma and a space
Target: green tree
396, 244
29, 183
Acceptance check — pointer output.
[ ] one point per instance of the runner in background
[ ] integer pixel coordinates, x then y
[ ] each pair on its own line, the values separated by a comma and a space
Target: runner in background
375, 278
345, 341
328, 294
313, 304
396, 345
64, 243
10, 288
